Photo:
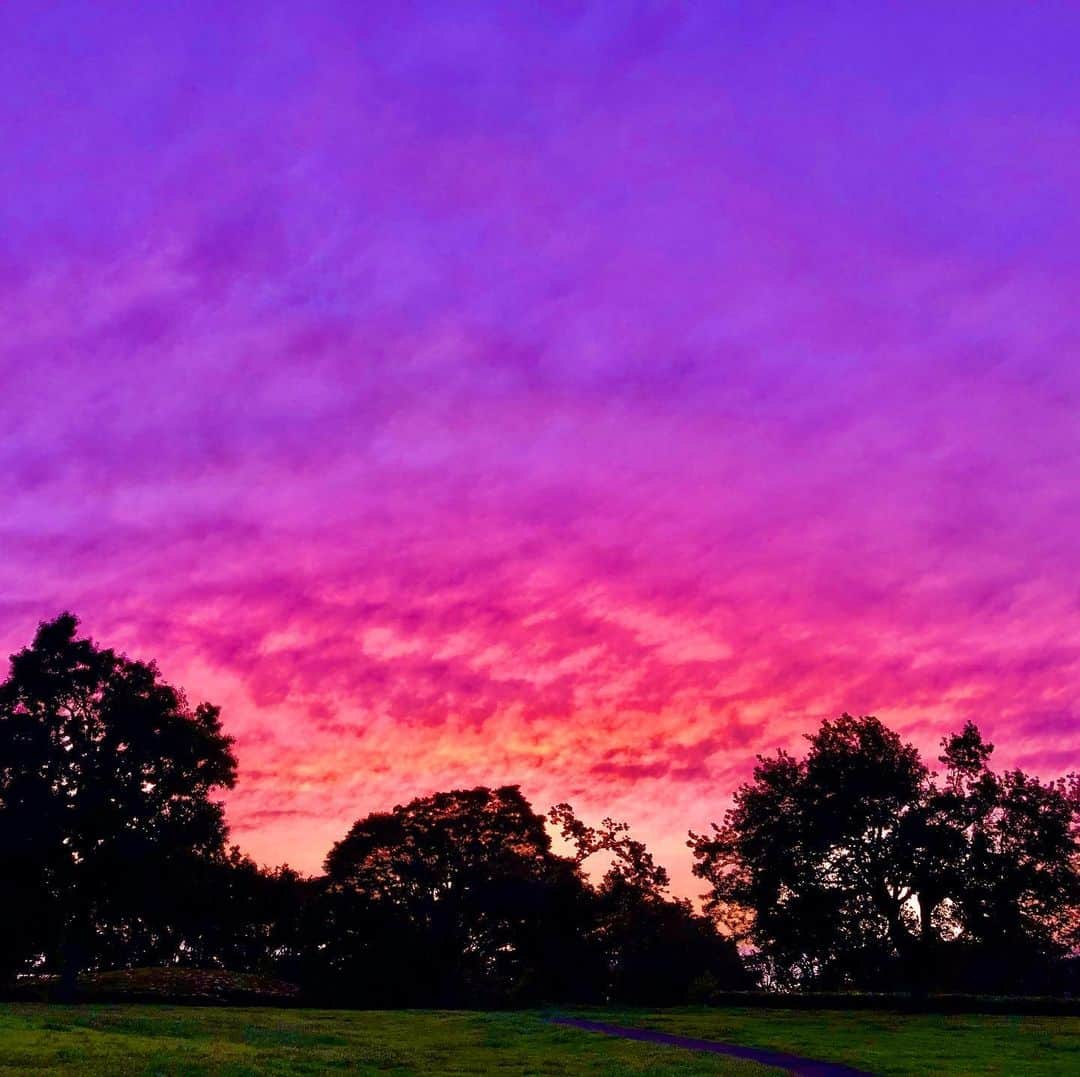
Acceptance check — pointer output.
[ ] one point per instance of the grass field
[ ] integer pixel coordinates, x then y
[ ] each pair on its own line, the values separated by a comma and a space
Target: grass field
99, 1039
889, 1043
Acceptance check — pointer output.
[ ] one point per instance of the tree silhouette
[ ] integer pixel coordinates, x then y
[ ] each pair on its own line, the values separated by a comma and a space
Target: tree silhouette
853, 867
106, 775
467, 887
655, 949
1012, 868
631, 861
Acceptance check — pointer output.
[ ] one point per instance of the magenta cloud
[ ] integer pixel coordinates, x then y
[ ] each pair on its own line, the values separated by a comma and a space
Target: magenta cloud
590, 397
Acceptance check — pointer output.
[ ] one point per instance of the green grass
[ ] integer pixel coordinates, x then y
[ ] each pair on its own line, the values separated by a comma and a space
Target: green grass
231, 1041
888, 1043
132, 1039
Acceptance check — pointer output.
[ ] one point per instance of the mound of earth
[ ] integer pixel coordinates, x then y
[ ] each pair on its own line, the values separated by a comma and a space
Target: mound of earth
180, 985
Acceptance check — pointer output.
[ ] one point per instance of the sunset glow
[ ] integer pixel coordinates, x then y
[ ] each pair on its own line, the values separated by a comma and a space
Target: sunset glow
588, 397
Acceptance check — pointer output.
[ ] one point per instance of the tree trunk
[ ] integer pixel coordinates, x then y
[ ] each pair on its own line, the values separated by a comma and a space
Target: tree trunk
927, 950
73, 954
70, 966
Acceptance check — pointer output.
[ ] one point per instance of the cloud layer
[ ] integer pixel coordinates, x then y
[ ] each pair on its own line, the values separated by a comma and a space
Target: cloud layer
590, 399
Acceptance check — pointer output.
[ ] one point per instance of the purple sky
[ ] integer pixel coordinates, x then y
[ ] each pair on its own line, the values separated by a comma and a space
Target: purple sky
585, 395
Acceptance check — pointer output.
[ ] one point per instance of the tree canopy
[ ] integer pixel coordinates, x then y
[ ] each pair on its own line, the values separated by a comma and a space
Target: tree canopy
858, 867
458, 880
106, 783
855, 866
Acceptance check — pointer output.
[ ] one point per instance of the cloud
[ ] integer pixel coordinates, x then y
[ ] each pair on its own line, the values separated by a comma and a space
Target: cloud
464, 400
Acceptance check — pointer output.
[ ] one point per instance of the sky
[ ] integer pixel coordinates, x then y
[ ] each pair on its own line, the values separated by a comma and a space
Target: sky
583, 395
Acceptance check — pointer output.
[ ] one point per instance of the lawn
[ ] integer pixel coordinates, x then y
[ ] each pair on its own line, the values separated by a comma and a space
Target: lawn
130, 1039
887, 1043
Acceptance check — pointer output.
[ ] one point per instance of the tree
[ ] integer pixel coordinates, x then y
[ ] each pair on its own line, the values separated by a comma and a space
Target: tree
106, 776
655, 949
1013, 867
853, 868
631, 862
454, 898
226, 912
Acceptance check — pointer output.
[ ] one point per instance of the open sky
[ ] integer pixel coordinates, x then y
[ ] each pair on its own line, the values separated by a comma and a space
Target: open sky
587, 395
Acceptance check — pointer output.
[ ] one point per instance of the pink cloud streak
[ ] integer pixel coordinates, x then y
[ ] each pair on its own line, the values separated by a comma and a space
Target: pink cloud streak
554, 407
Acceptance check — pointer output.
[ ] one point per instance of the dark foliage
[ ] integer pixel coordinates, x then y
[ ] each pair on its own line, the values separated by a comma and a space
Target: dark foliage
653, 950
106, 775
458, 899
452, 899
856, 867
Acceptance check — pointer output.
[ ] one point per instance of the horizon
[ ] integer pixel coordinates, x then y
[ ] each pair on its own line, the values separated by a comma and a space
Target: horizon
586, 399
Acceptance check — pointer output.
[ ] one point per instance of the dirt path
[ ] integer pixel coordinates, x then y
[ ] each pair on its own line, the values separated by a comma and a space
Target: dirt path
801, 1067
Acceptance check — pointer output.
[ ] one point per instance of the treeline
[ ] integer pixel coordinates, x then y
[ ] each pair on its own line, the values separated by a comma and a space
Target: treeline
858, 867
853, 868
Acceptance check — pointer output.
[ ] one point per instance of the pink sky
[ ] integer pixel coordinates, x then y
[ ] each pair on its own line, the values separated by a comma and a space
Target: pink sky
588, 399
